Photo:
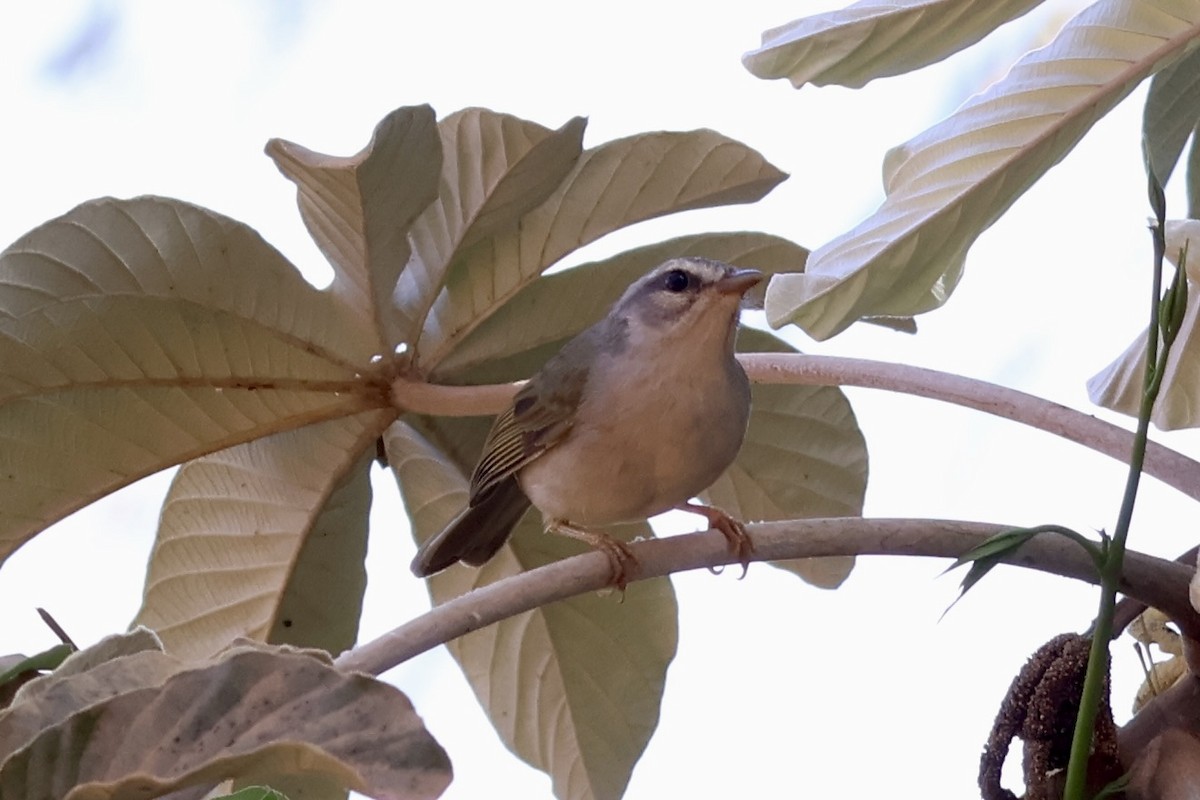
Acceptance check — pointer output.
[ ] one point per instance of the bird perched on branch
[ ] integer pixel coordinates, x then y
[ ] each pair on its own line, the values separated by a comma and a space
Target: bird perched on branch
634, 416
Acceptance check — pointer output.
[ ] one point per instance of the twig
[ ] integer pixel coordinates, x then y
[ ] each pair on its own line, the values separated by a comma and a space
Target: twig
52, 623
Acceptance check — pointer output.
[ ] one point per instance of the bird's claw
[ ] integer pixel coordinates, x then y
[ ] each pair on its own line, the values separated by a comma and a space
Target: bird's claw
734, 532
621, 560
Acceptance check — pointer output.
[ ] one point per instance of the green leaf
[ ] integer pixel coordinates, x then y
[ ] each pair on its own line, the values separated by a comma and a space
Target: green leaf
555, 307
574, 688
1174, 305
254, 793
41, 662
1115, 788
995, 548
999, 548
804, 456
266, 540
867, 40
950, 183
611, 186
1119, 386
138, 334
1171, 113
17, 671
359, 209
497, 168
985, 556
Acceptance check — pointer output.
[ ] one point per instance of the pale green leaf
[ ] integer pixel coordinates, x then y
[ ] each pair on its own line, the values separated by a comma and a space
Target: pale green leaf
359, 209
573, 688
556, 307
804, 456
138, 334
266, 540
249, 712
870, 39
1171, 114
614, 185
496, 168
1119, 385
951, 182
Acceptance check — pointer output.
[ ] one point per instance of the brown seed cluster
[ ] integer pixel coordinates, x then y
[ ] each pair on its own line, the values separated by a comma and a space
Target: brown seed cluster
1040, 709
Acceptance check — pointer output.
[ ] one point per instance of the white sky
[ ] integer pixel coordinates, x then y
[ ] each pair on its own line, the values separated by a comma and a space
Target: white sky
778, 690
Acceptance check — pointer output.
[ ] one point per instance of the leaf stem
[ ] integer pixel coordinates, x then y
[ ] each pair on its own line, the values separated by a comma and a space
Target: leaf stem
1170, 467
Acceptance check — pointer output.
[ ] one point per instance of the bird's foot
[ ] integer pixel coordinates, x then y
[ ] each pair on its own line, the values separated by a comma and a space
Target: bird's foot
733, 531
620, 558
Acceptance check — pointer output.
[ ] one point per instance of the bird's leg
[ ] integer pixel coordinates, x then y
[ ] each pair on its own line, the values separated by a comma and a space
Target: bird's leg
620, 557
733, 531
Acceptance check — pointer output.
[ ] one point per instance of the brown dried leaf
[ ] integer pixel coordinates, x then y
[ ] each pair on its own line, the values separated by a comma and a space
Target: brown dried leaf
252, 711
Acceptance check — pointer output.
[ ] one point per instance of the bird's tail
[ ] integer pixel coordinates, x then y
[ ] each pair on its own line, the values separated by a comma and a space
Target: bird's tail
477, 533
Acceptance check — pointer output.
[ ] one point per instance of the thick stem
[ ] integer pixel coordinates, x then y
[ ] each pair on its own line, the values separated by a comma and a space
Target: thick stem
1162, 584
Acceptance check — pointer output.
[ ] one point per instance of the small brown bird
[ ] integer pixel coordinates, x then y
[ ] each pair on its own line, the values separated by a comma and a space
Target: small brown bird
634, 416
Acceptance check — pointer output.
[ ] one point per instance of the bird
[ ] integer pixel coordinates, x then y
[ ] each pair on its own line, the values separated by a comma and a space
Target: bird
634, 416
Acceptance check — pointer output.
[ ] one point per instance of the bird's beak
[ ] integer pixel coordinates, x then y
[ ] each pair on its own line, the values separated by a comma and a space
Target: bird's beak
739, 281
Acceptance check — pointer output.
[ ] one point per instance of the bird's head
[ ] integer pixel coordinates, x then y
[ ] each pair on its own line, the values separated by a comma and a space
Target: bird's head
696, 298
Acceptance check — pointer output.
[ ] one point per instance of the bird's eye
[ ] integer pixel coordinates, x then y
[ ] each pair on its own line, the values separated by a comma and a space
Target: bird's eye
677, 281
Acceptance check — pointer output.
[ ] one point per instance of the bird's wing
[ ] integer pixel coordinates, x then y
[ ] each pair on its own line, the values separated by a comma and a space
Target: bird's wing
538, 419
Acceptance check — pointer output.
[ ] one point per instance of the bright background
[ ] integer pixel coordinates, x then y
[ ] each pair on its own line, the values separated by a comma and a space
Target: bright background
779, 689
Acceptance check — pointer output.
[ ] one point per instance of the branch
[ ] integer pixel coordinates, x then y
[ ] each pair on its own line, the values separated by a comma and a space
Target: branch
1172, 468
1160, 583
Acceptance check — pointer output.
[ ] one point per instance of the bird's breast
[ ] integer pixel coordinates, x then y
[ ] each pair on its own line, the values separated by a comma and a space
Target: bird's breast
652, 430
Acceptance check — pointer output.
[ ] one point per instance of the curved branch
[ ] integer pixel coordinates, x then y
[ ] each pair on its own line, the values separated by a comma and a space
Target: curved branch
1162, 584
1172, 468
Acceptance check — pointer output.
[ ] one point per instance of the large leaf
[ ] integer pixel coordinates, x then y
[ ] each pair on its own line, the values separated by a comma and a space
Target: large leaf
359, 209
804, 456
144, 725
951, 182
574, 688
138, 334
266, 540
496, 168
617, 184
869, 39
1119, 385
114, 665
556, 307
1172, 112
